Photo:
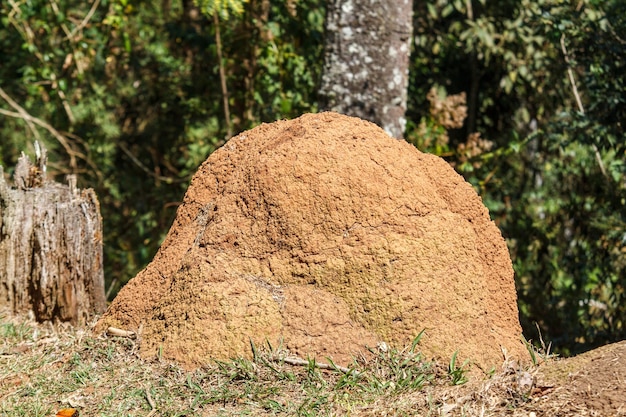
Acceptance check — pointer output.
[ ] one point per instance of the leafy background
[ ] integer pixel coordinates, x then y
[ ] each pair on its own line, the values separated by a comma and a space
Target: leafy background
524, 98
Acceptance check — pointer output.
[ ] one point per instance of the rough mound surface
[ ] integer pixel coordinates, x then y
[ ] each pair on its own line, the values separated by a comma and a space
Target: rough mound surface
328, 235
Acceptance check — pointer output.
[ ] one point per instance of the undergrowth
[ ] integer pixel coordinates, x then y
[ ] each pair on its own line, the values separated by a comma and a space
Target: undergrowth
45, 368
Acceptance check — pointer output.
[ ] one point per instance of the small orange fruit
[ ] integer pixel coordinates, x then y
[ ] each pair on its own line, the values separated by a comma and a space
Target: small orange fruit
67, 412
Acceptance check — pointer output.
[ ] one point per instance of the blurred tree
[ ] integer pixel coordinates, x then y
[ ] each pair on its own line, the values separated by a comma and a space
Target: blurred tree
123, 94
366, 61
548, 152
526, 98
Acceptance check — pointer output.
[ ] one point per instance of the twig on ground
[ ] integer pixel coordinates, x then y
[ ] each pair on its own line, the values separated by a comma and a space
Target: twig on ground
320, 365
149, 399
114, 331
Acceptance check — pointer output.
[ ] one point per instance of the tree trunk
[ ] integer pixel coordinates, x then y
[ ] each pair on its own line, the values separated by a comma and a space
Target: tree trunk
50, 246
366, 64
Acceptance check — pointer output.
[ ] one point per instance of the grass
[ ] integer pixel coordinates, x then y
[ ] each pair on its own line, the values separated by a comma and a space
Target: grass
538, 354
45, 368
457, 373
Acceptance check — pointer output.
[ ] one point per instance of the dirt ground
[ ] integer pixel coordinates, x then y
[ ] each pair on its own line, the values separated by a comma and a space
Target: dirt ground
45, 368
590, 384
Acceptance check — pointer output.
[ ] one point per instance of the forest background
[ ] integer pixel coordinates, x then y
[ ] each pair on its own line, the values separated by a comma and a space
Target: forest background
526, 99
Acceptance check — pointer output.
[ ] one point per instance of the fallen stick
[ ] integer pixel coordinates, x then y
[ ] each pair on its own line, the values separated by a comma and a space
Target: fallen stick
321, 365
114, 331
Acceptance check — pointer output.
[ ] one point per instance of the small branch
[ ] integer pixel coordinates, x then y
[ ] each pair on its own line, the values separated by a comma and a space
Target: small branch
26, 32
55, 9
579, 102
619, 39
136, 161
470, 9
570, 74
21, 114
472, 100
86, 20
24, 115
111, 287
28, 35
218, 44
114, 331
66, 104
320, 365
149, 399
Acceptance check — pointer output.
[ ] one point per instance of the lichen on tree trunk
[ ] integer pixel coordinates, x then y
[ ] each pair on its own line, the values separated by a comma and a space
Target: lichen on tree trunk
367, 60
50, 246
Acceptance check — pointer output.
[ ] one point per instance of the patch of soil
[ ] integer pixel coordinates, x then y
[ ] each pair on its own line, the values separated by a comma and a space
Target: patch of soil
326, 235
43, 358
590, 384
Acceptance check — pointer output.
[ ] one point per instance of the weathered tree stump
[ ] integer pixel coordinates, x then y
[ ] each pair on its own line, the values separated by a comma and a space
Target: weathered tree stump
50, 246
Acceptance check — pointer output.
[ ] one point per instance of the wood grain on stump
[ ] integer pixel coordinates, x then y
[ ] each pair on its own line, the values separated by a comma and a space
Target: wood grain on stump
50, 246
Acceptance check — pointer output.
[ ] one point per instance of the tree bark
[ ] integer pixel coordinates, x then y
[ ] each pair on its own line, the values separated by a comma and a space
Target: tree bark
366, 62
50, 246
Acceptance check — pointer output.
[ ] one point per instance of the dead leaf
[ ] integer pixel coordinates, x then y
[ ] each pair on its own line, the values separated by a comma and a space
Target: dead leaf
67, 412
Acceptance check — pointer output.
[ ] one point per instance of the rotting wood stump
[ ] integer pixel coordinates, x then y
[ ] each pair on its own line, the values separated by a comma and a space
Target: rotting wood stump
51, 262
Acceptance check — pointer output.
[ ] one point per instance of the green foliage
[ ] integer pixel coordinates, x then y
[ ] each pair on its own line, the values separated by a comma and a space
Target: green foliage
128, 95
569, 228
222, 7
457, 373
131, 88
396, 370
555, 180
568, 219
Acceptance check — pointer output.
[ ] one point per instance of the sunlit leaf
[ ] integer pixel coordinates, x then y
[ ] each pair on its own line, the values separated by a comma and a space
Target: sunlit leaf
67, 412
